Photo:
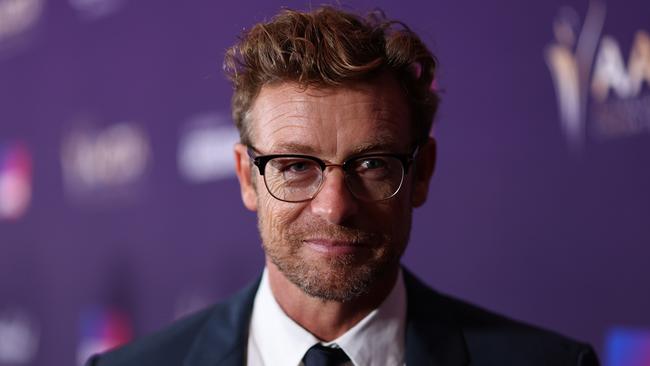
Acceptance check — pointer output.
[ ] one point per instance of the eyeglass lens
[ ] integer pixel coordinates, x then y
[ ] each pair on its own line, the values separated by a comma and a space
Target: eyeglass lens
369, 178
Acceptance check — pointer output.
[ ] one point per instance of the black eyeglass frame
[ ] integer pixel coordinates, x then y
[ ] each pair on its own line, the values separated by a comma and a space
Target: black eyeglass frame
260, 161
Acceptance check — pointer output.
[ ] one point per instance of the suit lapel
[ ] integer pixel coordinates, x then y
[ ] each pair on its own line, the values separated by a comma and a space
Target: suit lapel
432, 335
223, 339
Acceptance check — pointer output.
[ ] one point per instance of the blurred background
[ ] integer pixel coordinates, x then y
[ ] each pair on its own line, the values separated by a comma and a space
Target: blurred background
120, 212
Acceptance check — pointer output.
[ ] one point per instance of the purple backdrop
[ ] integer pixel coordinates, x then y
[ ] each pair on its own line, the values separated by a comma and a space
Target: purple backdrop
119, 210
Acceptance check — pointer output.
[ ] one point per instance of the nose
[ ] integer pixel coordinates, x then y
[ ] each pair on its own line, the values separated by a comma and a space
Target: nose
334, 202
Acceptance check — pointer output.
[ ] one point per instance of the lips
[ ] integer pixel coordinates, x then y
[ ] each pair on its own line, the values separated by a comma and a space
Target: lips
334, 247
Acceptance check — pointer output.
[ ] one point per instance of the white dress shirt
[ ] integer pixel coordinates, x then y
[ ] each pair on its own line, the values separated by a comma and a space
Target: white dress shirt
378, 339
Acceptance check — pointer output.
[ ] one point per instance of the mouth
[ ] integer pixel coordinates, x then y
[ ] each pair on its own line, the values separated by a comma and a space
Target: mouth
334, 247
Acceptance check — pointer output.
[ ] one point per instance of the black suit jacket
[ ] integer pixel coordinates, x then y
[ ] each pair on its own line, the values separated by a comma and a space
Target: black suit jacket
440, 331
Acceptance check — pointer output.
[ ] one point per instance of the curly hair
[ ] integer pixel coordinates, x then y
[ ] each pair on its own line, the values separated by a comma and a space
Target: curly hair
328, 47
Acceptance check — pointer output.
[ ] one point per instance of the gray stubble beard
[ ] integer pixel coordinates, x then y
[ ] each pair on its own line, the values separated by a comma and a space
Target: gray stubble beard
340, 278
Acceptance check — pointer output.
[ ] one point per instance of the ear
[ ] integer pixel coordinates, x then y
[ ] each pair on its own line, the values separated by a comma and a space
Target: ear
425, 163
243, 170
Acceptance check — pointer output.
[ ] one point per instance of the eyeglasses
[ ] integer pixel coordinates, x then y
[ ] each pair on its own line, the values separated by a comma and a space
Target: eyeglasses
299, 178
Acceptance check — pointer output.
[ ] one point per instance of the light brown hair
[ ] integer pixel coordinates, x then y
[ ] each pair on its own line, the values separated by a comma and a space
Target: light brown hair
329, 47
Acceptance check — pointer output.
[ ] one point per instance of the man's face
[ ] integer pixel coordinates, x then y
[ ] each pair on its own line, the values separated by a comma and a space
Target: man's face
334, 246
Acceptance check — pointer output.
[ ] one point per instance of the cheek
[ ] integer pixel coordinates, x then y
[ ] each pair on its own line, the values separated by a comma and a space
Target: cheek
395, 216
275, 218
401, 219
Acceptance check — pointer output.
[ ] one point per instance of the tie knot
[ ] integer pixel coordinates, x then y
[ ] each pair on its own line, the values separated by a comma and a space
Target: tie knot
319, 355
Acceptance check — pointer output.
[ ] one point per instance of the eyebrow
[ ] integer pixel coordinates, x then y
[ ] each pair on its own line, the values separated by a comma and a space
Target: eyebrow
383, 146
300, 148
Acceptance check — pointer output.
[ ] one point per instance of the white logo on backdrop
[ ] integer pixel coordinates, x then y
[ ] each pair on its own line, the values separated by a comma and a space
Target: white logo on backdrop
205, 150
19, 337
114, 157
95, 9
618, 104
17, 19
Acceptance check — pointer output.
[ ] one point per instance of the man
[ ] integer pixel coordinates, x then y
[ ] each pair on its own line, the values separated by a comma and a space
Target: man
334, 113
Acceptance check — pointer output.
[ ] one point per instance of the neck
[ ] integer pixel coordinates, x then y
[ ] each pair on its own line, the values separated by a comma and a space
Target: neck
326, 319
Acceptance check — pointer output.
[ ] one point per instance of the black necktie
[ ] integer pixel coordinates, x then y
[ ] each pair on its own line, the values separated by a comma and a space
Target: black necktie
319, 355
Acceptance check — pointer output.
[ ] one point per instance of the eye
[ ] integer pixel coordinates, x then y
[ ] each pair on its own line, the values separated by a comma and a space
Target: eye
297, 167
373, 168
371, 163
293, 168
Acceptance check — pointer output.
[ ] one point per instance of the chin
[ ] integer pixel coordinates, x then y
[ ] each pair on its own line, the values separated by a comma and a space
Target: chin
340, 278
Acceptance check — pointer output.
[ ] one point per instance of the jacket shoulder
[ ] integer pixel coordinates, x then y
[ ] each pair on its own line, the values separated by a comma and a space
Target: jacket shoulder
494, 339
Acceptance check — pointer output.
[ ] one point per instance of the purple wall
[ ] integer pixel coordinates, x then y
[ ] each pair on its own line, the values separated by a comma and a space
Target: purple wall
119, 210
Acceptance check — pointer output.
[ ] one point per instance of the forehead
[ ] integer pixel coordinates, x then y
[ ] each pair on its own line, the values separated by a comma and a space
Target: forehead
331, 120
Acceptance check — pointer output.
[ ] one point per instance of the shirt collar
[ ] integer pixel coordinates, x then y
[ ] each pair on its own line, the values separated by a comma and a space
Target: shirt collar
378, 338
